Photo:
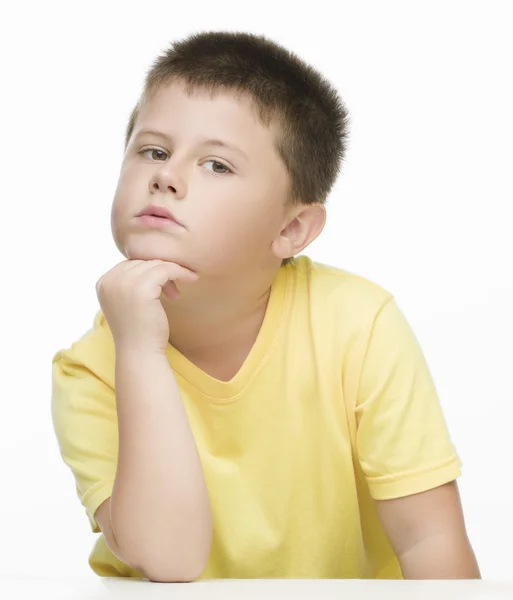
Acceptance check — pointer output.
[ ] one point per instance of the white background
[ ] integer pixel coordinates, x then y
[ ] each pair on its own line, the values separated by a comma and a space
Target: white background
423, 207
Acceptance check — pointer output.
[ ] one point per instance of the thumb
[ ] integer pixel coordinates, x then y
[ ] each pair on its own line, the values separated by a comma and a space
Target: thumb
170, 290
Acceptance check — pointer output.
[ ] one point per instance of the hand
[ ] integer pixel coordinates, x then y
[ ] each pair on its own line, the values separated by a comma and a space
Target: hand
129, 295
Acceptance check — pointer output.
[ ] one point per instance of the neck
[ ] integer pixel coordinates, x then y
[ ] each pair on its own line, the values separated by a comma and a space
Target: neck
205, 321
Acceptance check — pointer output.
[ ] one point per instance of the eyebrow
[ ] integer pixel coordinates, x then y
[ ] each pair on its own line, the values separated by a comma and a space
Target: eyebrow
206, 142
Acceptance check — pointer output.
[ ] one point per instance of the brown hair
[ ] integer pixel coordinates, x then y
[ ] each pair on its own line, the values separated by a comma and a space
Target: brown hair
312, 120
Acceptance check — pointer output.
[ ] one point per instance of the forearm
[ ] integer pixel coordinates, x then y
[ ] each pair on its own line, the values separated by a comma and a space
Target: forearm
160, 510
440, 557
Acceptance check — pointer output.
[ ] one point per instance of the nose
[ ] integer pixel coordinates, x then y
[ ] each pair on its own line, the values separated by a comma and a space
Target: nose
166, 179
156, 187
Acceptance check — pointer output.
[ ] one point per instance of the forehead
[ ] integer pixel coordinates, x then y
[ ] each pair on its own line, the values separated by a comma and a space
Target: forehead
221, 114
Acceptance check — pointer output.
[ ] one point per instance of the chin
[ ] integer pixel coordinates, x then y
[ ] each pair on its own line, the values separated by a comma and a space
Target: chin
145, 249
140, 251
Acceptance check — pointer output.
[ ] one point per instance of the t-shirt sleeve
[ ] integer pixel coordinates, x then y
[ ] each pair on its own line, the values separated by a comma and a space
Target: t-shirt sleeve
402, 440
85, 422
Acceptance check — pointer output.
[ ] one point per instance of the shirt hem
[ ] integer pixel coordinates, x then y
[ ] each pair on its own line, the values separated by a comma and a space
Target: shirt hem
416, 483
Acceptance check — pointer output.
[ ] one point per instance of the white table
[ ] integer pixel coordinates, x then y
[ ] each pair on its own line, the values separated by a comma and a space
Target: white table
96, 588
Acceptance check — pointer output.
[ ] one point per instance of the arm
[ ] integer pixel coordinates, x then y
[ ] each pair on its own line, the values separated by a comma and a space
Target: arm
160, 515
404, 448
428, 534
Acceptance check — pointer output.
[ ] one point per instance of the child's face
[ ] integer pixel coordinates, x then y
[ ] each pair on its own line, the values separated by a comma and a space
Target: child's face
230, 219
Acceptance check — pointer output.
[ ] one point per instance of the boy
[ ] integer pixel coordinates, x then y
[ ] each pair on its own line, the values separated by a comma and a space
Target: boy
237, 411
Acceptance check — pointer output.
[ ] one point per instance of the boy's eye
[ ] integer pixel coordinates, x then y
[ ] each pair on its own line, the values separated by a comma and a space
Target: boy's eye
227, 170
155, 151
152, 150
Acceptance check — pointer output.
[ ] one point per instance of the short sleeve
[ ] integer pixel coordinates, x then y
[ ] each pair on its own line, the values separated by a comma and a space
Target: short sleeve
402, 440
85, 422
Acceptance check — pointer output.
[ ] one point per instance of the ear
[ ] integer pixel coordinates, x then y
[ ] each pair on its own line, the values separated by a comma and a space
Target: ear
306, 224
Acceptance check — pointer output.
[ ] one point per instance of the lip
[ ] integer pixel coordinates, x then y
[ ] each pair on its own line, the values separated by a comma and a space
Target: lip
157, 222
158, 212
157, 216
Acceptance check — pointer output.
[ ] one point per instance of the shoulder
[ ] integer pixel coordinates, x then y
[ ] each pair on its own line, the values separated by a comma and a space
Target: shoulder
339, 291
94, 351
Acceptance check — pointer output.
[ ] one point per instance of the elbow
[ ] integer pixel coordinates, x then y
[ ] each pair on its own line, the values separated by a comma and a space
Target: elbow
171, 577
187, 567
184, 560
168, 574
154, 569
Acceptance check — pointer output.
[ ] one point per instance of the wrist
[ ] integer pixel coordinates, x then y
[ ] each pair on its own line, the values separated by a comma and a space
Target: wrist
138, 355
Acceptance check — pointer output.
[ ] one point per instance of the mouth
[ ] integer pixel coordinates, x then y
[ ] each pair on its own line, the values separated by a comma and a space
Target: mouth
154, 213
154, 210
157, 221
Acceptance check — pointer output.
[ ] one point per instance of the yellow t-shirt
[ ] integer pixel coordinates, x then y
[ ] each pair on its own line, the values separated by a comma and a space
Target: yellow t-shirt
334, 407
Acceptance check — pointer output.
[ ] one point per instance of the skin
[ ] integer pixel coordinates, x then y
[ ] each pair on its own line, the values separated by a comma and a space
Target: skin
237, 226
428, 534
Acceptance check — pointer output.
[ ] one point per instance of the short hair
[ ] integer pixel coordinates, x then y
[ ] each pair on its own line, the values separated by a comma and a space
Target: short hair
312, 121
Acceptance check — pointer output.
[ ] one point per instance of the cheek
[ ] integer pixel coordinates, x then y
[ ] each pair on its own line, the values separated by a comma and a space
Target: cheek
116, 216
131, 185
127, 200
120, 213
230, 225
234, 239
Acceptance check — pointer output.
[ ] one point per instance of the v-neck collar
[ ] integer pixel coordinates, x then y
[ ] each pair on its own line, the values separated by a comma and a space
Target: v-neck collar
223, 391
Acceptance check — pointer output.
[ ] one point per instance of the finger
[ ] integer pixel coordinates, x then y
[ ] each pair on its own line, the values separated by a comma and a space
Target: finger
170, 290
133, 270
116, 269
173, 270
179, 271
156, 278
